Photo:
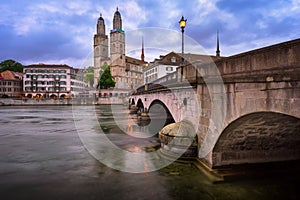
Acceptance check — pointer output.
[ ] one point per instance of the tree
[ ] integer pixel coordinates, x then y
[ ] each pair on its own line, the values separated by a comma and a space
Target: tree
11, 65
90, 69
89, 78
105, 80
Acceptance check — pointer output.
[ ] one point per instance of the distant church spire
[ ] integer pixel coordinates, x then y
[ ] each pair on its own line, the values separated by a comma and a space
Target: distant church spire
117, 21
101, 26
143, 55
218, 45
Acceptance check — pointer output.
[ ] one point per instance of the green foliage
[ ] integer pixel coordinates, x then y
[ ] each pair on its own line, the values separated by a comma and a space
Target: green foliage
11, 65
90, 69
89, 78
105, 80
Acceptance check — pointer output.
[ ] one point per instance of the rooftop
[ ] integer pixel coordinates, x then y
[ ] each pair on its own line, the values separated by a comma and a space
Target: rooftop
42, 65
10, 75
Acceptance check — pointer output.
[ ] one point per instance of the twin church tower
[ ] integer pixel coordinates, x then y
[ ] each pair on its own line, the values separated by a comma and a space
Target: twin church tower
116, 60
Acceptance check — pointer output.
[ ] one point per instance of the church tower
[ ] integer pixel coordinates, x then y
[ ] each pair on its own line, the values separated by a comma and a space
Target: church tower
117, 51
100, 48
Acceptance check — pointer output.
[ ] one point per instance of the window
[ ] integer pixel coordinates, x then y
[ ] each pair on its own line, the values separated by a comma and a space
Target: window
169, 68
173, 59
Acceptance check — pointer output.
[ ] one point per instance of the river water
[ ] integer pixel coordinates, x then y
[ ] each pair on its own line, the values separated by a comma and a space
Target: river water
43, 155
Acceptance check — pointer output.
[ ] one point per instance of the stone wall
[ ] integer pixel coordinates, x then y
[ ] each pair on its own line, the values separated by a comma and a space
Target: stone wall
258, 137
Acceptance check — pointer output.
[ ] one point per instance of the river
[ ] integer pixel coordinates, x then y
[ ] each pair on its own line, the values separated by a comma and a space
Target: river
43, 156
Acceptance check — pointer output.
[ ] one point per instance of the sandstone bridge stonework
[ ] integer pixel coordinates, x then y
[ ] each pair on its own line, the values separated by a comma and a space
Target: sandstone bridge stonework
245, 108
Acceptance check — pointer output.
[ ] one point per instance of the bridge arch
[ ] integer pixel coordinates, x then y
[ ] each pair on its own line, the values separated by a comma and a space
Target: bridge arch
140, 104
132, 101
258, 137
158, 108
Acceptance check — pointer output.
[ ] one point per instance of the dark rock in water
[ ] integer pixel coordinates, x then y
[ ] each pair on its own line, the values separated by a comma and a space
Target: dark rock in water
133, 109
179, 140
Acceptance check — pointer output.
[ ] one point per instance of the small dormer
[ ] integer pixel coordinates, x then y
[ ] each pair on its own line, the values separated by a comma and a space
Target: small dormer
173, 59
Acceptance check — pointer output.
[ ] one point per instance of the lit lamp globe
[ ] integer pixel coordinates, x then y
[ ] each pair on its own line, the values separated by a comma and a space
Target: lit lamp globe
182, 23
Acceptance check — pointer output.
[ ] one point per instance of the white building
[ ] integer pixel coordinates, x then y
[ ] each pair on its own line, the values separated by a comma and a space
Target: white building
168, 64
52, 81
161, 67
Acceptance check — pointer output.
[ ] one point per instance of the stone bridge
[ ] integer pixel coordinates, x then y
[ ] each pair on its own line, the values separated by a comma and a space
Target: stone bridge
245, 108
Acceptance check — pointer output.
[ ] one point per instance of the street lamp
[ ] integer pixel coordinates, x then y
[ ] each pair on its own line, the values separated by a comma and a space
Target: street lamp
182, 24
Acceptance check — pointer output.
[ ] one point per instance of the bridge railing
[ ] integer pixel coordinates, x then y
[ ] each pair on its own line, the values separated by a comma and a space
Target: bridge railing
166, 80
160, 83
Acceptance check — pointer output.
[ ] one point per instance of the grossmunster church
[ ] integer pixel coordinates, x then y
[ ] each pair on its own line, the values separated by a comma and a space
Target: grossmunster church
126, 71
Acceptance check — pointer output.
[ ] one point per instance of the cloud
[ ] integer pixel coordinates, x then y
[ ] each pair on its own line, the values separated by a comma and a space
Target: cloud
75, 7
285, 9
63, 30
159, 41
133, 14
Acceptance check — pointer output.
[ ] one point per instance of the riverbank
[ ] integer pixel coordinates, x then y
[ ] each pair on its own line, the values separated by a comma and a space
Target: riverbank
53, 102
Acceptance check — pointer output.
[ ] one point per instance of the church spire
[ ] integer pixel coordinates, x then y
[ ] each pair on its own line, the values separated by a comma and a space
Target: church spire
143, 55
117, 21
101, 26
218, 52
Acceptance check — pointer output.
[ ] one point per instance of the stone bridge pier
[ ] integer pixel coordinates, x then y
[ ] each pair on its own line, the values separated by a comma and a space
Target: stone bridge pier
261, 123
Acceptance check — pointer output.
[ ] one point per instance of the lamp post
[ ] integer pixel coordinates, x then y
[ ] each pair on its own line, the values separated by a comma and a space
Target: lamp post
182, 24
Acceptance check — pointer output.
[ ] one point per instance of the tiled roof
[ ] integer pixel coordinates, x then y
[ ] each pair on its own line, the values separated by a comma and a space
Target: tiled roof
134, 60
9, 75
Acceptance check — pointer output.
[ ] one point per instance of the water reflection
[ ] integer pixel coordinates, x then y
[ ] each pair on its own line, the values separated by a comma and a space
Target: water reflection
46, 160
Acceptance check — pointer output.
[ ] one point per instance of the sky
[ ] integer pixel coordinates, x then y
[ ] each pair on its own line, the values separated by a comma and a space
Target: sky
61, 32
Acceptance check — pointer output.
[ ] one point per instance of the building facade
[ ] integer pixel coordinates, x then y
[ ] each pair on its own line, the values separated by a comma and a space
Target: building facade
169, 63
161, 67
11, 84
126, 71
52, 81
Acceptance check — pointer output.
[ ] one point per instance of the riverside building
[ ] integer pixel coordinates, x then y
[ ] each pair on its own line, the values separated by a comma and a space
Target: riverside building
10, 84
52, 81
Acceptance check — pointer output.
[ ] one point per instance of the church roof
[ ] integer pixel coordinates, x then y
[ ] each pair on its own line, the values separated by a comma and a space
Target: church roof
117, 12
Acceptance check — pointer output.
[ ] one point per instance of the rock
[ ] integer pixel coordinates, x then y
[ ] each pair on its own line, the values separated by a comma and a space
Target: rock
179, 140
184, 128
